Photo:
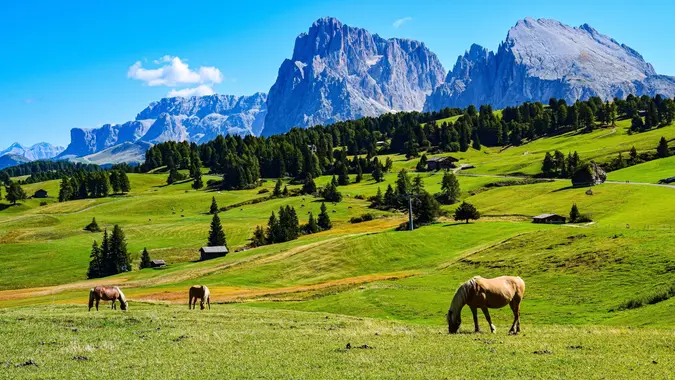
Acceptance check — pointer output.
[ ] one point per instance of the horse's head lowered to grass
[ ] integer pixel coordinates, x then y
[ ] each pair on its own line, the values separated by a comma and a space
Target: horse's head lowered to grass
458, 301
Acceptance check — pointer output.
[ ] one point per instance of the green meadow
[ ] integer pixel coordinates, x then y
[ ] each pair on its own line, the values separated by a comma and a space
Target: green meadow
361, 299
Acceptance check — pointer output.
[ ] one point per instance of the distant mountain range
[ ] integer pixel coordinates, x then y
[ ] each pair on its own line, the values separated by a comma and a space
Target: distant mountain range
338, 72
17, 154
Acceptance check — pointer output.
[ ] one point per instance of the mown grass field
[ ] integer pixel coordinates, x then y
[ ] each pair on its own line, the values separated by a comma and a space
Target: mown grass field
289, 310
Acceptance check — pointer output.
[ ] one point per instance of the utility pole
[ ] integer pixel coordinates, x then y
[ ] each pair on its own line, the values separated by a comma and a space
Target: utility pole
410, 215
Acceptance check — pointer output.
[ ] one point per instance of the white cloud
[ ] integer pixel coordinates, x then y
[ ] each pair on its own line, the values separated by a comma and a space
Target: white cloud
201, 90
174, 72
400, 22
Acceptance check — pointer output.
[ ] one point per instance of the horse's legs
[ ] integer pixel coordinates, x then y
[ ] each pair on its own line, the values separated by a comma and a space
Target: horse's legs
515, 307
474, 311
113, 307
208, 301
97, 301
493, 329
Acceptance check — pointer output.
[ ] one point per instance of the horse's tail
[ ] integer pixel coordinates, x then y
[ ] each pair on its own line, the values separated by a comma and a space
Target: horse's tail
91, 298
123, 299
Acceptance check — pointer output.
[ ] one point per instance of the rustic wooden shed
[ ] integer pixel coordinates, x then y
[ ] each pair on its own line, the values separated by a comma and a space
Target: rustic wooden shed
549, 219
438, 163
208, 253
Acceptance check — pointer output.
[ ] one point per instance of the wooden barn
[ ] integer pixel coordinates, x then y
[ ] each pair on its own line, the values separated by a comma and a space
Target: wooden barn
41, 194
549, 219
438, 163
208, 253
157, 263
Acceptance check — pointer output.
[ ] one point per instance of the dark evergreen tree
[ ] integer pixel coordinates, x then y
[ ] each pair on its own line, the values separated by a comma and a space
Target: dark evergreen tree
574, 213
65, 190
277, 189
377, 200
95, 263
309, 187
422, 164
633, 156
390, 198
636, 124
324, 219
273, 233
118, 251
425, 209
378, 176
145, 259
359, 173
214, 206
312, 226
93, 226
258, 237
548, 166
450, 191
216, 234
662, 149
198, 182
343, 175
285, 191
15, 193
466, 211
331, 194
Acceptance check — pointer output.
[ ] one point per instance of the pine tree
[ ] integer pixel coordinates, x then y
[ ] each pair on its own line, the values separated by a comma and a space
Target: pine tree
309, 187
95, 264
145, 259
107, 268
378, 176
15, 193
389, 164
574, 213
359, 173
115, 182
285, 191
422, 164
548, 166
633, 155
636, 124
475, 144
662, 149
216, 234
425, 209
277, 189
273, 233
466, 211
331, 193
93, 226
258, 237
377, 200
312, 226
324, 220
214, 206
118, 250
125, 185
65, 190
390, 197
450, 190
417, 185
198, 183
343, 175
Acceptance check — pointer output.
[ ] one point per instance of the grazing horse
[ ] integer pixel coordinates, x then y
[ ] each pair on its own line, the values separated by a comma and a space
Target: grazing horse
484, 293
107, 293
201, 292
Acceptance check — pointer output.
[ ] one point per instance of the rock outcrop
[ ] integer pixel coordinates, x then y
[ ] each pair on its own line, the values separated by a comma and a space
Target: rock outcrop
338, 72
541, 59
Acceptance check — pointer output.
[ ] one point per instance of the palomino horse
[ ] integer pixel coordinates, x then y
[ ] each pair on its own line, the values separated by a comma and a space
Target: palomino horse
484, 293
107, 293
201, 292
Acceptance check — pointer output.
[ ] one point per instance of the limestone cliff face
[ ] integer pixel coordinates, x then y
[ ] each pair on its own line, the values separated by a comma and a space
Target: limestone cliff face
338, 72
541, 59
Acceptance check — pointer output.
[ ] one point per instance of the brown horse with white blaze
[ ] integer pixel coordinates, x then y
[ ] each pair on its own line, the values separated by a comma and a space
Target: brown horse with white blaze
487, 293
107, 293
200, 292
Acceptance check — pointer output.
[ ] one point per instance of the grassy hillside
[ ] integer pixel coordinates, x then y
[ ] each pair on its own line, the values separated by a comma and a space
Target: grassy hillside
359, 283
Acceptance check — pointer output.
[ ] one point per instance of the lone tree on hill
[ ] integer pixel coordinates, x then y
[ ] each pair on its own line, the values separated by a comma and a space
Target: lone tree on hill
574, 213
450, 188
466, 211
324, 220
216, 234
93, 226
199, 182
15, 193
214, 206
662, 150
145, 259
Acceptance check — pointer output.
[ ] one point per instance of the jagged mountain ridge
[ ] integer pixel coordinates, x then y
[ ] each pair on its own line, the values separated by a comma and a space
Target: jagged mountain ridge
39, 151
338, 72
195, 119
541, 59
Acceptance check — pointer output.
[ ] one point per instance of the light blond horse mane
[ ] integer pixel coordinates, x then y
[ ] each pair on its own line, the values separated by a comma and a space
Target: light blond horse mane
123, 298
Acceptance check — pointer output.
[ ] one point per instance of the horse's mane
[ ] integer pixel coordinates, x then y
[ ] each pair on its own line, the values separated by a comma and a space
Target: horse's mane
460, 298
122, 297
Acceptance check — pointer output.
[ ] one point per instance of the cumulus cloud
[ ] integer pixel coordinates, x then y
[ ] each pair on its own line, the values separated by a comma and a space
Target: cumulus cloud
201, 90
401, 21
174, 72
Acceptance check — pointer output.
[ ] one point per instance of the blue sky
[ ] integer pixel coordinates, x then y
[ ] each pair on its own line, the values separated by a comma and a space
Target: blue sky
67, 64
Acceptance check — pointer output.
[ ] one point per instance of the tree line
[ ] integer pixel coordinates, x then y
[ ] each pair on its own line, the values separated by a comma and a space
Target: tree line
111, 257
98, 184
